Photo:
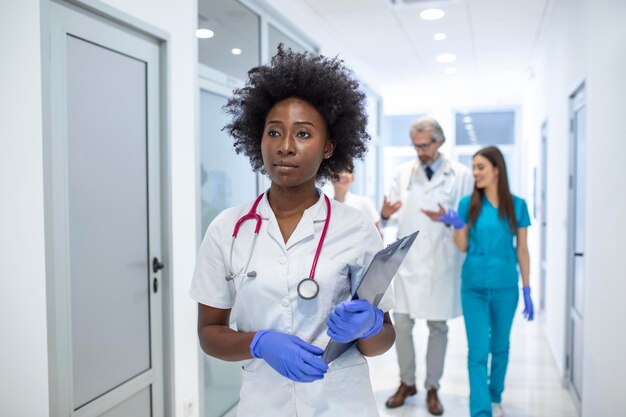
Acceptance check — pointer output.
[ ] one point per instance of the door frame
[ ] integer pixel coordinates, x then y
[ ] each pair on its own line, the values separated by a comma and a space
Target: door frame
57, 288
543, 215
577, 100
218, 83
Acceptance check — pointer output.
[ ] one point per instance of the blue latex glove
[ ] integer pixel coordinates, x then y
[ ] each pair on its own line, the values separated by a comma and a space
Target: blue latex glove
356, 319
529, 310
289, 355
452, 218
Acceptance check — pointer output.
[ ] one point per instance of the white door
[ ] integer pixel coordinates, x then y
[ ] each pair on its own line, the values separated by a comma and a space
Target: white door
103, 195
577, 243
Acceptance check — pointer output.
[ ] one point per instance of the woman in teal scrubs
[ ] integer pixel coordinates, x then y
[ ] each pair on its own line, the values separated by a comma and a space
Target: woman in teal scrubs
491, 226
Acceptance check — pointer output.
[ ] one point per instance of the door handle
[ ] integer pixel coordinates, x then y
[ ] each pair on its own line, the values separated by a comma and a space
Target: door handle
579, 254
157, 265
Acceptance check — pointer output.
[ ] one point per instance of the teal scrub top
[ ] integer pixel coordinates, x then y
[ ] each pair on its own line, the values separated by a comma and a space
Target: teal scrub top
491, 260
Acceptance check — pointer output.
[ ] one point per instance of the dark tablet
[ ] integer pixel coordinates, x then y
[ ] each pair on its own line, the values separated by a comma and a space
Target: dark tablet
373, 284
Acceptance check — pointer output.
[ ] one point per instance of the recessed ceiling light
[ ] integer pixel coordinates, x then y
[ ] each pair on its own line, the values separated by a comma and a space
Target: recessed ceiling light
446, 58
440, 36
235, 51
450, 70
467, 119
431, 14
204, 33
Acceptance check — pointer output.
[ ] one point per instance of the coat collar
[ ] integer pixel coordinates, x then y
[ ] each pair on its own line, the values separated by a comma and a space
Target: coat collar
441, 172
306, 226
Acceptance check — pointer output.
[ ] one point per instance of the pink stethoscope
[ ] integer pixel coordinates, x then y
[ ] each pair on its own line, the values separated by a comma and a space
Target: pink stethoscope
308, 288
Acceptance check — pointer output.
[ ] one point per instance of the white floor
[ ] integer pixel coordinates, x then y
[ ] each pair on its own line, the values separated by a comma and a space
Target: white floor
533, 387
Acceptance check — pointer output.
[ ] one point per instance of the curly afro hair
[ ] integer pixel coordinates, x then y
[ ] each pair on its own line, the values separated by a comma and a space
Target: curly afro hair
323, 82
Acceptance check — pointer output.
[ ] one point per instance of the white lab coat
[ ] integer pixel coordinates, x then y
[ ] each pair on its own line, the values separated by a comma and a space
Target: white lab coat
270, 301
428, 282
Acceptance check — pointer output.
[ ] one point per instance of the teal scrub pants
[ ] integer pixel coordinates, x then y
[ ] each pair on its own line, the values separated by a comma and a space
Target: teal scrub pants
488, 318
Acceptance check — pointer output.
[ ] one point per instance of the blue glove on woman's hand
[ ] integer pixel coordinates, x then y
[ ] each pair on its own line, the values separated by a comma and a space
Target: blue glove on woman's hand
529, 310
452, 218
356, 319
289, 355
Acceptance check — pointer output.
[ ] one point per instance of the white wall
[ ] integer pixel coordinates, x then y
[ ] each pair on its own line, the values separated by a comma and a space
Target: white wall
604, 367
24, 356
23, 360
585, 41
559, 70
531, 117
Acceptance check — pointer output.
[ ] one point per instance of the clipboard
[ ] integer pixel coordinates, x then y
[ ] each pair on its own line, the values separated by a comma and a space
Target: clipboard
373, 285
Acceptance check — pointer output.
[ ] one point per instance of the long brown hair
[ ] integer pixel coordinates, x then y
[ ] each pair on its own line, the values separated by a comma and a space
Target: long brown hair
505, 203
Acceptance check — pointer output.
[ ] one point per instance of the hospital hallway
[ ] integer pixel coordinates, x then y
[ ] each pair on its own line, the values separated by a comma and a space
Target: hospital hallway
532, 388
119, 154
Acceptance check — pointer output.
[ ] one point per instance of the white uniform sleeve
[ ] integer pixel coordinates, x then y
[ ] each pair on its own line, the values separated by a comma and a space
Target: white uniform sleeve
369, 245
209, 286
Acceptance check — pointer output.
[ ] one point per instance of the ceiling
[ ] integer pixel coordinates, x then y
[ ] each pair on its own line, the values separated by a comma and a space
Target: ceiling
495, 43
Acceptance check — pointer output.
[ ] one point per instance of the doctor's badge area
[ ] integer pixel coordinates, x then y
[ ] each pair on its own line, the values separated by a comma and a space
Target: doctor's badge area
308, 288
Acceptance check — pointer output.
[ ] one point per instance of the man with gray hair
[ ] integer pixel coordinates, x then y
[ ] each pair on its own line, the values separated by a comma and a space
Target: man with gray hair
427, 285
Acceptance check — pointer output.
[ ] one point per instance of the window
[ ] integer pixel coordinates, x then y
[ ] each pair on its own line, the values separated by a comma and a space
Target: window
276, 37
487, 128
398, 147
235, 46
476, 130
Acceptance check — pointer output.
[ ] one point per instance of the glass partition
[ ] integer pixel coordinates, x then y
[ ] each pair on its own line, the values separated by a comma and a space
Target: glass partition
226, 180
276, 37
366, 175
485, 128
397, 145
475, 130
230, 40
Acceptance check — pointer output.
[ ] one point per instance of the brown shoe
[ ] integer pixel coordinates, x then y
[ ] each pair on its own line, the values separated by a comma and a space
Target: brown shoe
404, 391
432, 401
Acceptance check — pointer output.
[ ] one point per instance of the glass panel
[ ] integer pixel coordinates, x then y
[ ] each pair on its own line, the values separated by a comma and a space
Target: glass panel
233, 26
365, 182
226, 181
578, 283
466, 160
226, 178
222, 381
579, 244
108, 215
276, 37
485, 128
577, 356
579, 215
393, 157
139, 405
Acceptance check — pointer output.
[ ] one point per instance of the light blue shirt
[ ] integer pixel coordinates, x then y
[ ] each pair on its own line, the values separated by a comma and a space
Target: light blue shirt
435, 164
491, 260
